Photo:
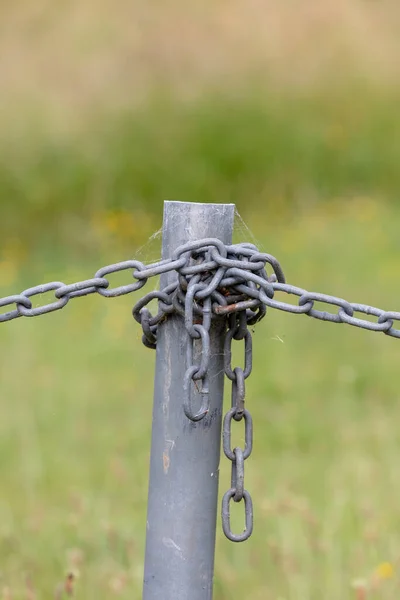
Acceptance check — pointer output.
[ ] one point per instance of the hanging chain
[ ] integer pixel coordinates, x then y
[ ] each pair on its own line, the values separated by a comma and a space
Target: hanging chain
195, 332
237, 330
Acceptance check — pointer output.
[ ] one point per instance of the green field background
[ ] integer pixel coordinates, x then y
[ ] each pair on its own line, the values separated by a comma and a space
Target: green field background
289, 110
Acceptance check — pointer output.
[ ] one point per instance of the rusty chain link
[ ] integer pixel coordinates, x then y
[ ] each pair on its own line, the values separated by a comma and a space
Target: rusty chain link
213, 281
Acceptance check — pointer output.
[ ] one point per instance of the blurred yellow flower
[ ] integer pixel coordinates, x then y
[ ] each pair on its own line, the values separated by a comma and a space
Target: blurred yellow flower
123, 225
385, 571
8, 272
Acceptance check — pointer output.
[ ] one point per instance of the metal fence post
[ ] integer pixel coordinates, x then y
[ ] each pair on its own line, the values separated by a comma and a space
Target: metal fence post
184, 461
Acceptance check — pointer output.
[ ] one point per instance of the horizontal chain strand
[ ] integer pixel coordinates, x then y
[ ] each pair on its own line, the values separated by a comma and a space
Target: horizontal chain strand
239, 268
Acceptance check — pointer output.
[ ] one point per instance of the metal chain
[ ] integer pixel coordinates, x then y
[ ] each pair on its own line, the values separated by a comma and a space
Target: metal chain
214, 281
239, 283
237, 330
197, 332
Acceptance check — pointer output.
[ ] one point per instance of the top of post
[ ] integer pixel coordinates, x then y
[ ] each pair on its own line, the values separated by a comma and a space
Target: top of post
189, 221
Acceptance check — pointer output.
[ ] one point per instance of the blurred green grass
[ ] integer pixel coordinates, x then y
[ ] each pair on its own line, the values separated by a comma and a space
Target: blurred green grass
267, 152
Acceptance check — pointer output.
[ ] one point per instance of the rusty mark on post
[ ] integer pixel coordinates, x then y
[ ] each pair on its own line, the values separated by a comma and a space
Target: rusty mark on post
169, 444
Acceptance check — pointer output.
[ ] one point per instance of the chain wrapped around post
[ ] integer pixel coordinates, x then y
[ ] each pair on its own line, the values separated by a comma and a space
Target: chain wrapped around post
215, 281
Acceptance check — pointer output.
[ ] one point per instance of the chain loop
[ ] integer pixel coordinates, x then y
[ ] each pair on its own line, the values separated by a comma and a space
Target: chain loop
122, 289
204, 393
248, 354
38, 290
310, 298
238, 393
227, 434
19, 300
237, 477
226, 516
367, 310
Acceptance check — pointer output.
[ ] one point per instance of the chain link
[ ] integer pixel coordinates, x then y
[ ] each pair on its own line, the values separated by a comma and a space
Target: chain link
214, 281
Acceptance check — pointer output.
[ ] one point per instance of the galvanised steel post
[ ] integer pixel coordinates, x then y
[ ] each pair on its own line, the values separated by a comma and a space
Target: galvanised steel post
184, 461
